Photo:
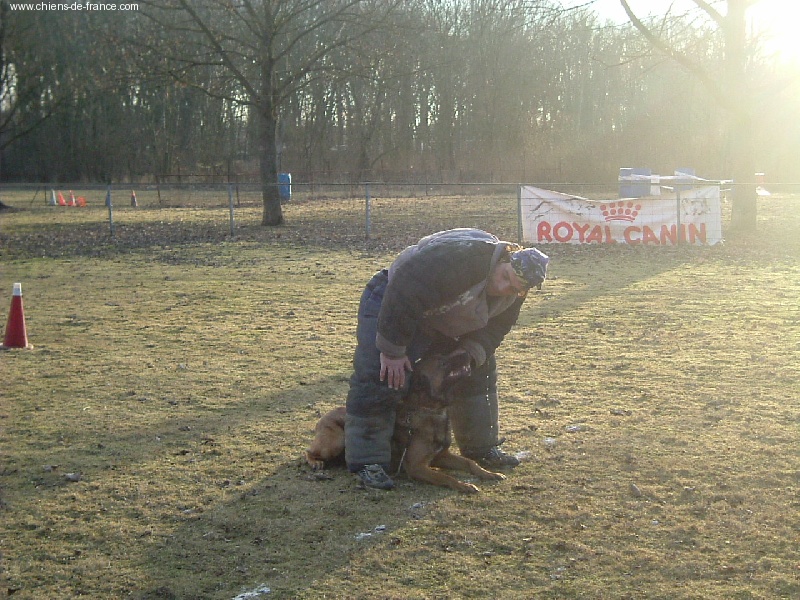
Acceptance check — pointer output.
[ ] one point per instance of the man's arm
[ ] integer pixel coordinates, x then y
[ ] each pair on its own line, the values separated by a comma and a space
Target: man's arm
485, 341
433, 277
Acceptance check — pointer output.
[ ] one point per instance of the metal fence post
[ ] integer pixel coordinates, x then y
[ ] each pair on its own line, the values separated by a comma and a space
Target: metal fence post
110, 211
519, 214
368, 216
230, 207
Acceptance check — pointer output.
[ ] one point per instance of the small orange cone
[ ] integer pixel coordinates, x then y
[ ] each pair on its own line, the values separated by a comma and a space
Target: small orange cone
72, 199
16, 336
61, 201
133, 199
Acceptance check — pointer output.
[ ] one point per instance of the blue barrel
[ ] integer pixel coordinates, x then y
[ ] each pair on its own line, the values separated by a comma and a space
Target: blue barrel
633, 189
285, 186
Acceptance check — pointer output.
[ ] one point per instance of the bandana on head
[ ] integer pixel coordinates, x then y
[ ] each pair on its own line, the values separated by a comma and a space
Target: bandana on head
531, 266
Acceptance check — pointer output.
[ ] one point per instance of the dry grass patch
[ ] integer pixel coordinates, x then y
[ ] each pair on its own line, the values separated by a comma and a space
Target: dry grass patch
180, 373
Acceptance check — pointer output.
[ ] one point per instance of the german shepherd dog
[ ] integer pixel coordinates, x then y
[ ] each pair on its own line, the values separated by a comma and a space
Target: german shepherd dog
421, 439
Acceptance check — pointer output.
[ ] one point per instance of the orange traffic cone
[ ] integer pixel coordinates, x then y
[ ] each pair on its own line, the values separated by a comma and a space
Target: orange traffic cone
61, 201
16, 336
72, 199
133, 199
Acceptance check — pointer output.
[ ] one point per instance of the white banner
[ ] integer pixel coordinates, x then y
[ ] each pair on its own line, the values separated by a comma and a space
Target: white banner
551, 217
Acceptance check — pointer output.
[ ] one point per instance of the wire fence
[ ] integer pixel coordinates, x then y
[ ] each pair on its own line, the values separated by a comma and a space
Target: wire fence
379, 210
394, 214
217, 194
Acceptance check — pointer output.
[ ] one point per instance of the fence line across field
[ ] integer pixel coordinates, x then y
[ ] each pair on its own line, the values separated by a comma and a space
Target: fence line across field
449, 200
493, 206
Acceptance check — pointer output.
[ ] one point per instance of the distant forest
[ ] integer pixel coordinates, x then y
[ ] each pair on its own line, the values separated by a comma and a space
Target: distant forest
440, 90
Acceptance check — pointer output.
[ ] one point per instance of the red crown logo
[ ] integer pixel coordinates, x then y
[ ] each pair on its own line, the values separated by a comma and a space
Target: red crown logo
620, 211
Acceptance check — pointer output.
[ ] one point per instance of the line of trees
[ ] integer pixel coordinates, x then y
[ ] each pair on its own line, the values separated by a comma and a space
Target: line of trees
477, 90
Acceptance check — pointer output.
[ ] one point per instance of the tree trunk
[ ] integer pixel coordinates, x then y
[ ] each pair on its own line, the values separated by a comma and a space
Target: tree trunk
743, 206
270, 192
268, 125
743, 209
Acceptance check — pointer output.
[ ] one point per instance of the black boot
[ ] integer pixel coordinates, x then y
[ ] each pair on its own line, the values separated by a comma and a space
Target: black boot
373, 476
495, 458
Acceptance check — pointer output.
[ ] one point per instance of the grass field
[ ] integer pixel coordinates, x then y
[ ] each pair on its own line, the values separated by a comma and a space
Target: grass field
177, 374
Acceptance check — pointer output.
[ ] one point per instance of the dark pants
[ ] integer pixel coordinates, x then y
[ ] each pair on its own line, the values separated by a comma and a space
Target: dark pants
371, 404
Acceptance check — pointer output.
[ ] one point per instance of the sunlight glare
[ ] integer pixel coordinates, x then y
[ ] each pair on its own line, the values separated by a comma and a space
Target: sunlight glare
775, 22
778, 23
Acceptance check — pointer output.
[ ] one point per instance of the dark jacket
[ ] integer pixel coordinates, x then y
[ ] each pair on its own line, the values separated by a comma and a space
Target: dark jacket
439, 284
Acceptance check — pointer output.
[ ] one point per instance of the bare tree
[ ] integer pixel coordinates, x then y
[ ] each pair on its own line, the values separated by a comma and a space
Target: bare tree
733, 93
67, 109
468, 88
28, 94
264, 52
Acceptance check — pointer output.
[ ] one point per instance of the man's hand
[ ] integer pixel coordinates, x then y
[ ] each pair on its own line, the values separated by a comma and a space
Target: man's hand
393, 370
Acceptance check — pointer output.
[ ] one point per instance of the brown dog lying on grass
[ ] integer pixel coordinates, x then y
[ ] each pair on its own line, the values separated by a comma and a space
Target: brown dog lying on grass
421, 439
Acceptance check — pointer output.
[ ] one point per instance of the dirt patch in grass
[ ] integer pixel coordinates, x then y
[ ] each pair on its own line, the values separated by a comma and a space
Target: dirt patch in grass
150, 441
